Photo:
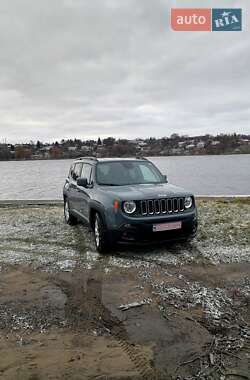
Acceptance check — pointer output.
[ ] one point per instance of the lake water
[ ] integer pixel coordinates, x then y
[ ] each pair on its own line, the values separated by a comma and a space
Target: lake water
203, 175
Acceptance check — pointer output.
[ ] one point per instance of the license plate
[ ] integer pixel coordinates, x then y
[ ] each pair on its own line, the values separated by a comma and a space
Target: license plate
166, 226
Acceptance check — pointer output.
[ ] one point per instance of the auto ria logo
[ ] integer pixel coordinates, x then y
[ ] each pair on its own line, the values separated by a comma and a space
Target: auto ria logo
206, 19
226, 20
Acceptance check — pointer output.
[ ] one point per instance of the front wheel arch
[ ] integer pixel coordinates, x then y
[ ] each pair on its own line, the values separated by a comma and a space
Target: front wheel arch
102, 243
68, 217
92, 213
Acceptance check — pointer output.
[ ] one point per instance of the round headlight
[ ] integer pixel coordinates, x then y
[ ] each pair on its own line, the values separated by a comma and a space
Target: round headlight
188, 202
129, 207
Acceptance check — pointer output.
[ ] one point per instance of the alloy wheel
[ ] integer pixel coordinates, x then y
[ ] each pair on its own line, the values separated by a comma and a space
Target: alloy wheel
97, 233
66, 211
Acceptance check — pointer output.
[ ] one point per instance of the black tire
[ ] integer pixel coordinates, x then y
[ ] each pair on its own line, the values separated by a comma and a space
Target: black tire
68, 217
100, 236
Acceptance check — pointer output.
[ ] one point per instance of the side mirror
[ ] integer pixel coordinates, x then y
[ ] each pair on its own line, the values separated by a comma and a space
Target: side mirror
83, 182
166, 178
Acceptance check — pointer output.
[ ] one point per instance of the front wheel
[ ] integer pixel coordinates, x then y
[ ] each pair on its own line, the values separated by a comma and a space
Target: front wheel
101, 241
68, 217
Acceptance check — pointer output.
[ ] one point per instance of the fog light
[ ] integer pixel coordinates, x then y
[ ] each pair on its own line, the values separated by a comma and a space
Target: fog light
127, 225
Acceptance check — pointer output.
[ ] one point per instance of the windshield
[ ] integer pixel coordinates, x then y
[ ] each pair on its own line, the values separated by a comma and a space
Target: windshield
127, 173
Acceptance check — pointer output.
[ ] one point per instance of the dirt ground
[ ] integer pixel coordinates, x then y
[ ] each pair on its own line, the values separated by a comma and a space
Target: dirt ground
59, 300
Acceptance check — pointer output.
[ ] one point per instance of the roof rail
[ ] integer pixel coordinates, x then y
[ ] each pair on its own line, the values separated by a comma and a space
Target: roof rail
87, 158
141, 158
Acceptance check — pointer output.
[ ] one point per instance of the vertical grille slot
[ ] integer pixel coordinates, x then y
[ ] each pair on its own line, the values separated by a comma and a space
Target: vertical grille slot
181, 204
157, 206
175, 205
151, 207
163, 206
144, 209
170, 206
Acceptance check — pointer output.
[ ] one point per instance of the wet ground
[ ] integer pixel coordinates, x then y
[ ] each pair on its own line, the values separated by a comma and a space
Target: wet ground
59, 300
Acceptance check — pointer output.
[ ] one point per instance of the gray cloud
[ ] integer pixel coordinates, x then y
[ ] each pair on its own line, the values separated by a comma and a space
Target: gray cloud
80, 68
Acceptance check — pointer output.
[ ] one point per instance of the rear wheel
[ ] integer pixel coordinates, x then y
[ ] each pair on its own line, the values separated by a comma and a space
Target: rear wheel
68, 217
101, 241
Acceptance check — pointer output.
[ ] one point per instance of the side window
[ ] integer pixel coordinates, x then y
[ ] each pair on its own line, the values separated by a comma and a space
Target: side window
77, 171
87, 172
71, 171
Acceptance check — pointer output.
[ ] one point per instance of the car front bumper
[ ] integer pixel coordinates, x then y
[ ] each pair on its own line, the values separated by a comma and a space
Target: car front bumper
141, 231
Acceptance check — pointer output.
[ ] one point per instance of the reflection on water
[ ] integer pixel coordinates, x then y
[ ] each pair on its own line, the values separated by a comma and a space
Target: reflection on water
203, 175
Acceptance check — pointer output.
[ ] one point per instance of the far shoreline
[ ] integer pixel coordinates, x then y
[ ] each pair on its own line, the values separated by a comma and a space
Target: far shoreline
149, 157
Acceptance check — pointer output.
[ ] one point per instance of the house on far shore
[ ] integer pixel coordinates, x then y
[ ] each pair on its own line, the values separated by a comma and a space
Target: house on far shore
190, 146
200, 145
72, 148
181, 144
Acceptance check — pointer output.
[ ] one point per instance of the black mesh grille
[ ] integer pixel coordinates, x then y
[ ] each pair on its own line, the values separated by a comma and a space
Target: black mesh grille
161, 206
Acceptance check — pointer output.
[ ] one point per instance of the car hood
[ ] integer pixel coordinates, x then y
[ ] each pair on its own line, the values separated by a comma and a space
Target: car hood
145, 191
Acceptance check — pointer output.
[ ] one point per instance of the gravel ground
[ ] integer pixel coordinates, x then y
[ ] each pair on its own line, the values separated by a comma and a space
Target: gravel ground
194, 325
39, 236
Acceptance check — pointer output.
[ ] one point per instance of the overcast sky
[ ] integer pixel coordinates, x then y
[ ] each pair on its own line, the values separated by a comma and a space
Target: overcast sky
89, 68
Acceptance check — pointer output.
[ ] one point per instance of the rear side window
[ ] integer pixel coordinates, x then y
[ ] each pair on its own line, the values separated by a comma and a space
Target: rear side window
87, 172
77, 171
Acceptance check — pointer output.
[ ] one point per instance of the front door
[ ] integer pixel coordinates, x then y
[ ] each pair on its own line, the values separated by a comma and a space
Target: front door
83, 194
73, 190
